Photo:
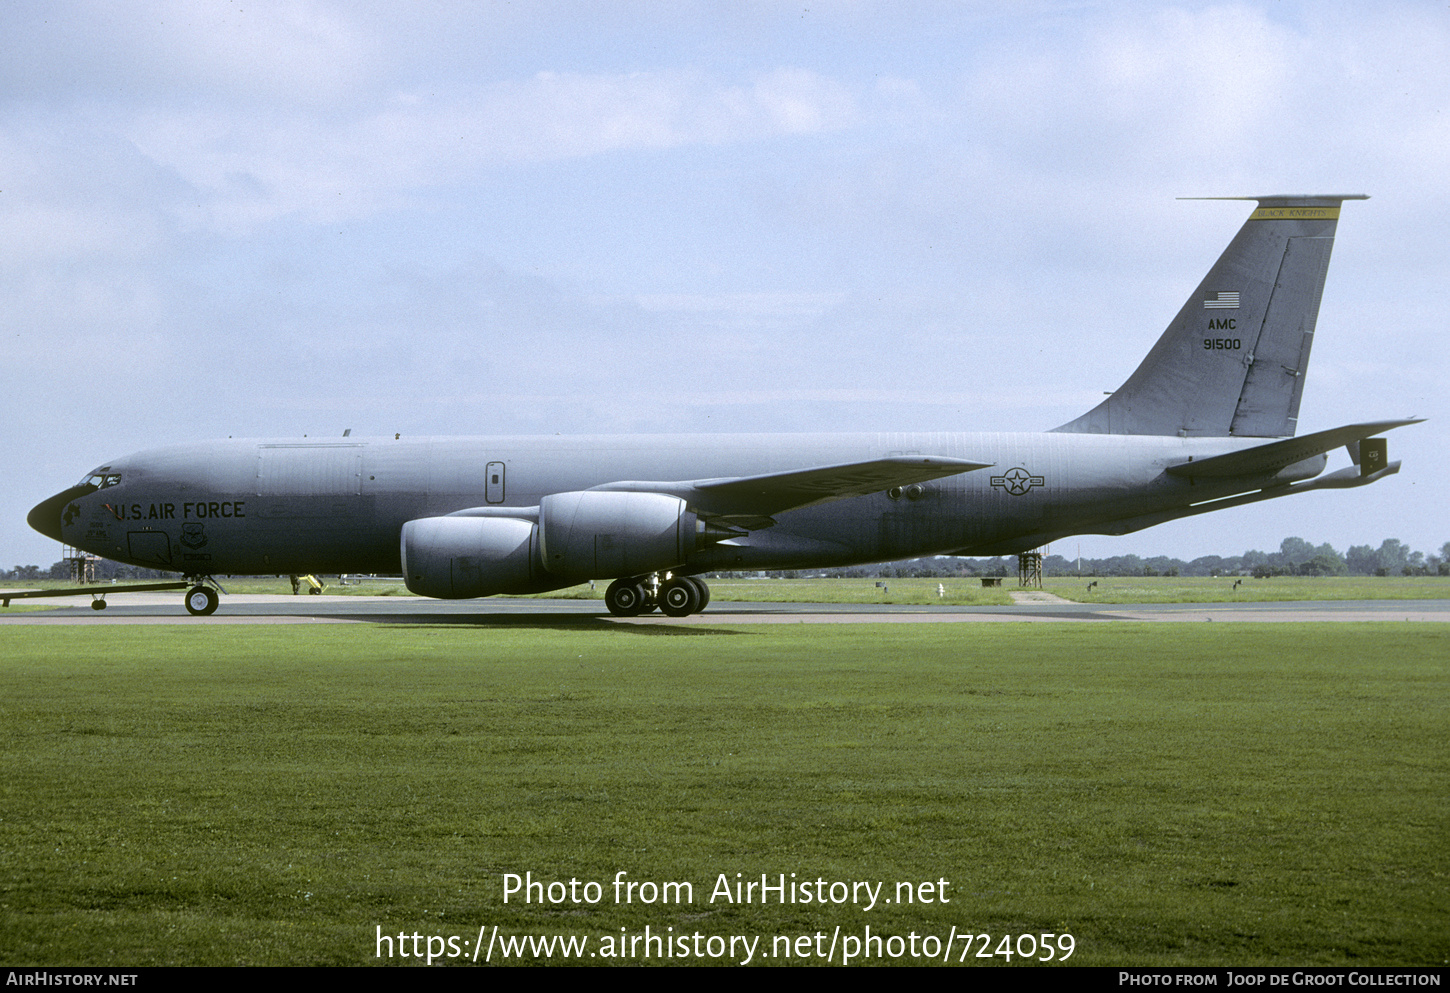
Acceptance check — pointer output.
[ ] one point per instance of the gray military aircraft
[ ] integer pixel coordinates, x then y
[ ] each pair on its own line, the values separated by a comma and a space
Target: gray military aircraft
1206, 422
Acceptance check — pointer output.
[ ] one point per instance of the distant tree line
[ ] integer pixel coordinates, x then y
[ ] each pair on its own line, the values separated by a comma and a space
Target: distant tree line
105, 571
1295, 557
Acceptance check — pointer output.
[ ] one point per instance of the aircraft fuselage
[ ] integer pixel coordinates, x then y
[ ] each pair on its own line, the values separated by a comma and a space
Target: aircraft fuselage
295, 506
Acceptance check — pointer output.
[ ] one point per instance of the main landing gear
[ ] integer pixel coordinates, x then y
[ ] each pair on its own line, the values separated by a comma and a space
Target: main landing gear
676, 596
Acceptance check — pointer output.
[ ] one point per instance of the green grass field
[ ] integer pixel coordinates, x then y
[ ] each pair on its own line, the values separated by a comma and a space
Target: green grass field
1170, 589
1190, 794
1111, 589
959, 592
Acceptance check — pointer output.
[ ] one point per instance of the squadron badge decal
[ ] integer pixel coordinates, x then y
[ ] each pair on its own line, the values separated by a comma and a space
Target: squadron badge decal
192, 535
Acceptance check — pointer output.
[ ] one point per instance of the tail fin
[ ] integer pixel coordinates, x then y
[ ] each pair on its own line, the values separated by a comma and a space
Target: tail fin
1232, 362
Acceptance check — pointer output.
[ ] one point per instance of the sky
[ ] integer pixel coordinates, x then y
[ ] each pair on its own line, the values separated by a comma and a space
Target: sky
294, 218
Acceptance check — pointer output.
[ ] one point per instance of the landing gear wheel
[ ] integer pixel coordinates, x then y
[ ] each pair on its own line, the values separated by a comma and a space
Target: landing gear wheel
98, 605
625, 598
201, 601
704, 589
680, 597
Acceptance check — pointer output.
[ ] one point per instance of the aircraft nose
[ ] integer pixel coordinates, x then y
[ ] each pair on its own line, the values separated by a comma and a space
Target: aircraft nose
45, 515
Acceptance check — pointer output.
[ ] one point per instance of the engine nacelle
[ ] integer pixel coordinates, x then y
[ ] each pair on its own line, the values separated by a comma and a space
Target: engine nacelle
598, 534
455, 558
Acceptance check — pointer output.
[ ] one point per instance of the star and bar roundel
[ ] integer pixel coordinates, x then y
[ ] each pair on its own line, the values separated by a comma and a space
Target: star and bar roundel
1017, 481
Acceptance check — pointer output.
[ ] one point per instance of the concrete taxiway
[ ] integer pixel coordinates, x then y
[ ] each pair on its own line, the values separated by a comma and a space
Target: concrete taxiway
166, 608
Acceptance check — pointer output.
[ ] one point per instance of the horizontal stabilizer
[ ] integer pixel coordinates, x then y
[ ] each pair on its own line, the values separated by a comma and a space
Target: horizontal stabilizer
1343, 479
746, 498
1265, 460
1349, 477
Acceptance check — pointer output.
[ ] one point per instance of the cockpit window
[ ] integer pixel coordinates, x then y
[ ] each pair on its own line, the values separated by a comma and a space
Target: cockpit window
102, 480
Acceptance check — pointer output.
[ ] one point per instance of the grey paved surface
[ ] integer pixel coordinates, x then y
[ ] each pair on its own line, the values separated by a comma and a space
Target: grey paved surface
166, 608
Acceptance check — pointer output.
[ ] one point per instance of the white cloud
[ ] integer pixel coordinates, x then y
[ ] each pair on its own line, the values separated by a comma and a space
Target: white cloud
38, 232
248, 165
1175, 85
1234, 92
70, 193
298, 50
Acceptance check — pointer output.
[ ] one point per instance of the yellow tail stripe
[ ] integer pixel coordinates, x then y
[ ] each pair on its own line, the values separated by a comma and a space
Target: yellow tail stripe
1296, 214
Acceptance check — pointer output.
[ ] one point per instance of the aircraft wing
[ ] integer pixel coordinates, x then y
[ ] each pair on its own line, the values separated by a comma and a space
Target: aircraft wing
749, 501
1270, 458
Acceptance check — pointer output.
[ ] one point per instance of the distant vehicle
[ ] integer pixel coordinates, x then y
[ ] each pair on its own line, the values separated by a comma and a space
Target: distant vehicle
1206, 422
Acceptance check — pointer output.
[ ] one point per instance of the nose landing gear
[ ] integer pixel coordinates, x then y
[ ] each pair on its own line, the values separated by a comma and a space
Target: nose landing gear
201, 601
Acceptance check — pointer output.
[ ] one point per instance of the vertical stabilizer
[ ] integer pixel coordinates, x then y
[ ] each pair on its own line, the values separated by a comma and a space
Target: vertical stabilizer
1233, 360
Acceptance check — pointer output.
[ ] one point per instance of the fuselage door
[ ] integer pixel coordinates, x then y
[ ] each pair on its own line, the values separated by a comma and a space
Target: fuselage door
493, 487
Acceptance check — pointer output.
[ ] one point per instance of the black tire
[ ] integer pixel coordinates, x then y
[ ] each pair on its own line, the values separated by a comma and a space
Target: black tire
625, 598
201, 601
98, 605
704, 589
679, 597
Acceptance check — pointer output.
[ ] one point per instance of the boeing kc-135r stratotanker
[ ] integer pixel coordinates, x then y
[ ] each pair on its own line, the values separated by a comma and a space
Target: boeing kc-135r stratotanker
1207, 421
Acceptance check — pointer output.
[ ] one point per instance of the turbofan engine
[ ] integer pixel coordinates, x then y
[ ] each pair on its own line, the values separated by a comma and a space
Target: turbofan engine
595, 534
583, 535
454, 558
